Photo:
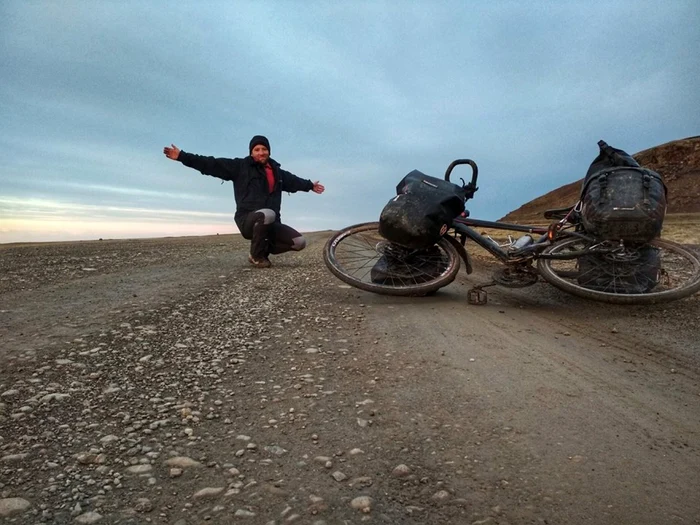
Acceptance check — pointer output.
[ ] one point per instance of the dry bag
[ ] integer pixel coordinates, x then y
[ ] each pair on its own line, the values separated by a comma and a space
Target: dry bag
621, 200
422, 210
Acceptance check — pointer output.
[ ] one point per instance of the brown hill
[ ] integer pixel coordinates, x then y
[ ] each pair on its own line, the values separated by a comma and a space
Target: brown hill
678, 162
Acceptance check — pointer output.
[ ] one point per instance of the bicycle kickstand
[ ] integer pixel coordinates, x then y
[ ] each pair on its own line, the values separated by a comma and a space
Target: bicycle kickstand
477, 295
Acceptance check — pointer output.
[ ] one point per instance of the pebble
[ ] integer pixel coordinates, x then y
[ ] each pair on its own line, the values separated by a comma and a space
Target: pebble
88, 518
54, 397
441, 495
363, 481
363, 503
243, 513
208, 492
11, 458
276, 450
400, 471
182, 462
9, 393
11, 506
139, 469
108, 440
88, 458
339, 476
143, 505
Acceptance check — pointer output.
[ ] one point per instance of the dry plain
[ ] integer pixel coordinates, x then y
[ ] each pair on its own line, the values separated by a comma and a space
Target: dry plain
164, 381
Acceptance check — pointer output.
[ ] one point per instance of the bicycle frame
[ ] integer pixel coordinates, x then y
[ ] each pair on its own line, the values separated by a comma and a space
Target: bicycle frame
463, 225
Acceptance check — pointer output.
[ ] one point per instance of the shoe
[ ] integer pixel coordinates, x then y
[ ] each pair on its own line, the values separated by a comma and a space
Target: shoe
263, 262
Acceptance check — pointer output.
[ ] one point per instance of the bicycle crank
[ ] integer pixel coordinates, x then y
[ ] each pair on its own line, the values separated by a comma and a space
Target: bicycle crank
515, 276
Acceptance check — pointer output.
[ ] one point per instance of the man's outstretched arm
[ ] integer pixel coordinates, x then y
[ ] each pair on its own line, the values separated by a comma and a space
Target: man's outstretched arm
292, 183
225, 169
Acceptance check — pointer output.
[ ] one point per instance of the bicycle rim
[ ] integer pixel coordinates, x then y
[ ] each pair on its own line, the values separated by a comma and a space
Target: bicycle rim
659, 272
361, 257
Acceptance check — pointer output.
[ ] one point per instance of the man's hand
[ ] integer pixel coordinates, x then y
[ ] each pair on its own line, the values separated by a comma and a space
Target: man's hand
172, 152
318, 188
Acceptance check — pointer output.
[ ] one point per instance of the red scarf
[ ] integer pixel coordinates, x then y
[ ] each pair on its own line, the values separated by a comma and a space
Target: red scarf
270, 177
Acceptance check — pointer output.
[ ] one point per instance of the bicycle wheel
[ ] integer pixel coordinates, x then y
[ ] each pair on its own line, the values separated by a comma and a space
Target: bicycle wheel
361, 257
657, 272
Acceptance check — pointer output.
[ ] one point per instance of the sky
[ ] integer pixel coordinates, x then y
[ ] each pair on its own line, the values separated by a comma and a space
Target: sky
355, 94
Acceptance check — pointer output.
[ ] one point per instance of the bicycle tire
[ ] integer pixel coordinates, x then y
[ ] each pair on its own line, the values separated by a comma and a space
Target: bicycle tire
370, 242
689, 286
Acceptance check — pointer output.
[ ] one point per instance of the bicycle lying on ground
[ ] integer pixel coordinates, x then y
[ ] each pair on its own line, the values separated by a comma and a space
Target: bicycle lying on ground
563, 254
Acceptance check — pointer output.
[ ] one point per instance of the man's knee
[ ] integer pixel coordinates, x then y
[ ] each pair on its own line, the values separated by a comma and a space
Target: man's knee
298, 243
266, 216
256, 223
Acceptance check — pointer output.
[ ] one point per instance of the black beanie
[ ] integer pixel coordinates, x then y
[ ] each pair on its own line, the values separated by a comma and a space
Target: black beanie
258, 139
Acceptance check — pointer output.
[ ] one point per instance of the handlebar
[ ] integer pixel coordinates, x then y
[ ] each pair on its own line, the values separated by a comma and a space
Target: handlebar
475, 171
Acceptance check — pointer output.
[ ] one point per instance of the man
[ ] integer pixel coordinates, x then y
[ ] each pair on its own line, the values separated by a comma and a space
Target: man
258, 183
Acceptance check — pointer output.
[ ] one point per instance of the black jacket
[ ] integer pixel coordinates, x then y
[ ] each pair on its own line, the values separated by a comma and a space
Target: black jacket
250, 186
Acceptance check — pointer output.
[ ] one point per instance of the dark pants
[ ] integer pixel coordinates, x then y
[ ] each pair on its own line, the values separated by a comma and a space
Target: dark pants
269, 236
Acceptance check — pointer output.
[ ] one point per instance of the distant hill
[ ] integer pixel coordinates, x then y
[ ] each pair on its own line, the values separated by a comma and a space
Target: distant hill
678, 162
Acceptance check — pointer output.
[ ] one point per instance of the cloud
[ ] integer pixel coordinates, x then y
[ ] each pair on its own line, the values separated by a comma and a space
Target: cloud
45, 209
355, 95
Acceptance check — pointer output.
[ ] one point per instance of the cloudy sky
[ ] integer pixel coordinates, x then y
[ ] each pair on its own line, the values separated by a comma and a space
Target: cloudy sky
354, 94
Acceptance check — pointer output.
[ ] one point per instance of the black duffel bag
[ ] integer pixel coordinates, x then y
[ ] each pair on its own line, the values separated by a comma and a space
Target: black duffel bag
409, 265
621, 200
634, 275
422, 210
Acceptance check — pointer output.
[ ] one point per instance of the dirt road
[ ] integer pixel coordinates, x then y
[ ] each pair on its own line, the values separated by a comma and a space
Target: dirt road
163, 381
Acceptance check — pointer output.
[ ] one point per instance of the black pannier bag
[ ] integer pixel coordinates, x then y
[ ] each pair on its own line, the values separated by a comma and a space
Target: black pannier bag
621, 200
422, 210
408, 265
639, 274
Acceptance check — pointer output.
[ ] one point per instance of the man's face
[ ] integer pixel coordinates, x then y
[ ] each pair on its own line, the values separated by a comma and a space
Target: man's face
260, 154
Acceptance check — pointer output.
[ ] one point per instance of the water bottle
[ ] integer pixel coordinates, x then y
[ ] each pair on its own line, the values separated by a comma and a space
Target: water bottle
522, 242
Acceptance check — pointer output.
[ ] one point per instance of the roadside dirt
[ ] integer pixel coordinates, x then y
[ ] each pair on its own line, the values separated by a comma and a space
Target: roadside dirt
164, 381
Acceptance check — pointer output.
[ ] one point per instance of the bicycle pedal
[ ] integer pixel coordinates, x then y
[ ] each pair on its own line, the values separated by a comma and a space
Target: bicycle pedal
477, 296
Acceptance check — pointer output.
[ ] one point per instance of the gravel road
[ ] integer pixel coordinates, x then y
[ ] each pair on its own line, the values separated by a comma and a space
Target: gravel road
165, 381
